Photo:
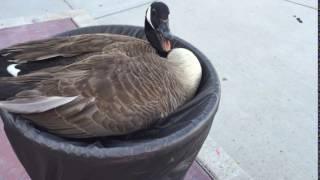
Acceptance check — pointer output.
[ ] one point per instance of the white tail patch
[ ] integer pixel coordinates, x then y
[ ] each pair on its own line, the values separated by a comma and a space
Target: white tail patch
13, 70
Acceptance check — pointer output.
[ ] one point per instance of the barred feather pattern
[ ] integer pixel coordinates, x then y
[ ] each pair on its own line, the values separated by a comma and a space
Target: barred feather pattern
121, 84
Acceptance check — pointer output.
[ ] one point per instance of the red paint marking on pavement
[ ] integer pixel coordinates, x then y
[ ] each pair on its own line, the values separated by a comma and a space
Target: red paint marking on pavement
218, 151
10, 167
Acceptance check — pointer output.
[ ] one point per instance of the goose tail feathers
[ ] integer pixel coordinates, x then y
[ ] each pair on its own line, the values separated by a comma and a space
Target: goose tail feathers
35, 104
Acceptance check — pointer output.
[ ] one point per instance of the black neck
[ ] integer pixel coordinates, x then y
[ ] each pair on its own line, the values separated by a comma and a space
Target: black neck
153, 39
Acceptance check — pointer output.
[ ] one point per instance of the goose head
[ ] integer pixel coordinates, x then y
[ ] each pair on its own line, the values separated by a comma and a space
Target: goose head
157, 27
183, 62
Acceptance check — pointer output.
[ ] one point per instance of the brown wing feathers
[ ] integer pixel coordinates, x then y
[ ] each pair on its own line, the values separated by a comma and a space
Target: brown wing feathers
116, 90
62, 46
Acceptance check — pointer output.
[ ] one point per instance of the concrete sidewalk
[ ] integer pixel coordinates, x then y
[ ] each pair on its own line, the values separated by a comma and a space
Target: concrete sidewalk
265, 53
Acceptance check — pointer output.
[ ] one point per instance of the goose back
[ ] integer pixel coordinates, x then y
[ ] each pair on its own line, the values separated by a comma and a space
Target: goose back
121, 85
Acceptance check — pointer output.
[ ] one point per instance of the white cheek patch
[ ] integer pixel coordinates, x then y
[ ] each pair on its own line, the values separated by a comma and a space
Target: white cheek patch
148, 16
13, 70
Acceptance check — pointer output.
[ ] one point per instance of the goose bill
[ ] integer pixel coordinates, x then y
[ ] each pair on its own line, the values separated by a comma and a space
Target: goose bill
164, 35
165, 42
166, 45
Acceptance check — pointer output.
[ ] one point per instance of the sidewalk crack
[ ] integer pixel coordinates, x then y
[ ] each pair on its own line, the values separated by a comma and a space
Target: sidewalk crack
123, 10
300, 4
68, 4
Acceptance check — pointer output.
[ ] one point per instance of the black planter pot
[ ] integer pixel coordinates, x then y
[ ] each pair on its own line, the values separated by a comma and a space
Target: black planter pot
166, 151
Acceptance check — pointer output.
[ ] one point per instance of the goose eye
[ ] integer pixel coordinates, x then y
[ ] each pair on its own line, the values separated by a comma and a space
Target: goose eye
153, 11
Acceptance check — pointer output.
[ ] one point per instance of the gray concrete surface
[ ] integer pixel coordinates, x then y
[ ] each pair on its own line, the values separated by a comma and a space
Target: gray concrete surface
265, 53
18, 8
99, 8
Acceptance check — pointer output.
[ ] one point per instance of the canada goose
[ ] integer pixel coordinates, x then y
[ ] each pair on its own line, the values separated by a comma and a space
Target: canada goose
108, 84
